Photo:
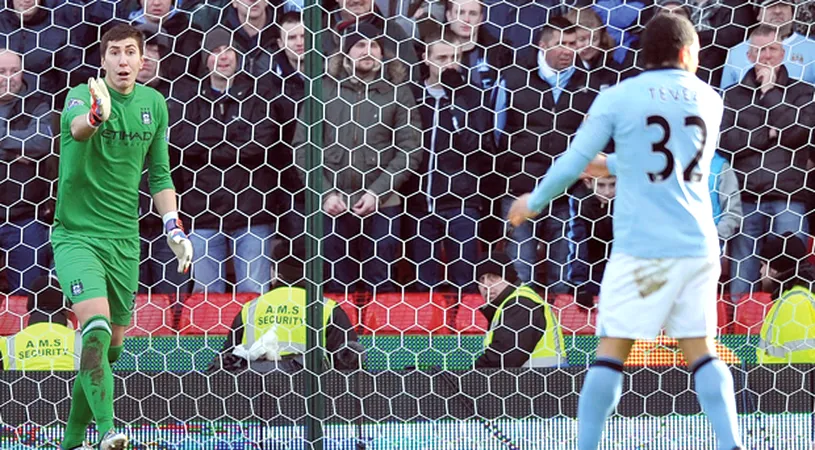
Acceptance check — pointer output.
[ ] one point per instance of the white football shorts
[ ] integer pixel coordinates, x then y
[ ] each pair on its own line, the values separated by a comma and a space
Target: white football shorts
639, 297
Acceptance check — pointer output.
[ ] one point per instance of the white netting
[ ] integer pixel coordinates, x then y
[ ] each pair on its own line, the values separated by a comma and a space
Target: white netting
416, 182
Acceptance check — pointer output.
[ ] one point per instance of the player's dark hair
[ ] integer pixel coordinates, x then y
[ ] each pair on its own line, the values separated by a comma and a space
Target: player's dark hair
664, 38
121, 32
556, 24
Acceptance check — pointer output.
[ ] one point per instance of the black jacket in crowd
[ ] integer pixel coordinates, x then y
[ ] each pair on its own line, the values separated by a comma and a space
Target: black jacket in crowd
51, 44
604, 71
773, 168
522, 325
537, 129
458, 148
256, 50
225, 142
485, 63
592, 233
287, 86
29, 167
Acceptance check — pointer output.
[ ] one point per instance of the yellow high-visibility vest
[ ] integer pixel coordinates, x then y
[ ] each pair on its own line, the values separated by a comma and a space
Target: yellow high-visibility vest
788, 332
549, 350
286, 308
43, 346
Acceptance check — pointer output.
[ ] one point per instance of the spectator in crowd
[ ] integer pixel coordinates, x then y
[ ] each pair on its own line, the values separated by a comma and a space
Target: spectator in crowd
163, 17
423, 17
788, 331
457, 142
26, 144
394, 39
50, 36
624, 20
270, 331
675, 7
482, 55
48, 342
523, 330
366, 159
730, 17
227, 173
766, 130
799, 50
251, 24
725, 196
156, 274
516, 22
721, 24
548, 101
591, 232
596, 50
287, 79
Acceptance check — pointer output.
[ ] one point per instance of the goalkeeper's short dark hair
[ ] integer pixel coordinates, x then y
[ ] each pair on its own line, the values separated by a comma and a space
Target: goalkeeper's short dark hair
121, 32
664, 38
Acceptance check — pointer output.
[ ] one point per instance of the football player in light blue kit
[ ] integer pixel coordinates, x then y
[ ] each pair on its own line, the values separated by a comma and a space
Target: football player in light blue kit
664, 267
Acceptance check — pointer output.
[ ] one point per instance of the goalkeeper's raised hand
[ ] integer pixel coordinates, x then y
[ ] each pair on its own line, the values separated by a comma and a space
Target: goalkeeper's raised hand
100, 102
179, 243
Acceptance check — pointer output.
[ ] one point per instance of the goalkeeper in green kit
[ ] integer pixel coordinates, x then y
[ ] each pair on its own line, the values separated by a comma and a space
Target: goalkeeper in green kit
109, 128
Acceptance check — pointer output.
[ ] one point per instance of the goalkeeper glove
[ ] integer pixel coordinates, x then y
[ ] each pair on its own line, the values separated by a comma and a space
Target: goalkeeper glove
100, 102
178, 241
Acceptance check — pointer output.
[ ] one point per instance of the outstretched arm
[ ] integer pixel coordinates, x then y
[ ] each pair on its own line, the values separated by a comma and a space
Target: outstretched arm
591, 139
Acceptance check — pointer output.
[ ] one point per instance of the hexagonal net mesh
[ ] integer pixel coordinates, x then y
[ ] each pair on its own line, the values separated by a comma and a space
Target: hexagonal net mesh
381, 171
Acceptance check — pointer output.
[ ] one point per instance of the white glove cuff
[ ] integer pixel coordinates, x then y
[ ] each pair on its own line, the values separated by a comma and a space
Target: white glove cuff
172, 215
88, 121
170, 219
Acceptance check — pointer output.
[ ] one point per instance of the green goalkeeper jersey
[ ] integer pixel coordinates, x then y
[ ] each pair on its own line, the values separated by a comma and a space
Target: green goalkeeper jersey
98, 188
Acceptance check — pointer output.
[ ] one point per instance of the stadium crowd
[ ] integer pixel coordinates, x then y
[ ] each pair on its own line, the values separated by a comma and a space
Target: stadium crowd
436, 115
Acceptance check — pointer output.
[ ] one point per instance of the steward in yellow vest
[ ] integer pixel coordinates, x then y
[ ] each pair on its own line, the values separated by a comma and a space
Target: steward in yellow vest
523, 331
282, 312
47, 343
788, 332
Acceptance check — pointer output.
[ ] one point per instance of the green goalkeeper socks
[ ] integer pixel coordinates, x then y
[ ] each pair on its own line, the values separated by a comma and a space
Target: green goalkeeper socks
78, 419
114, 353
95, 373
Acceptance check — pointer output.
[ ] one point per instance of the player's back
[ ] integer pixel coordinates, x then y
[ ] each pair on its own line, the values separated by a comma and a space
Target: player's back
666, 126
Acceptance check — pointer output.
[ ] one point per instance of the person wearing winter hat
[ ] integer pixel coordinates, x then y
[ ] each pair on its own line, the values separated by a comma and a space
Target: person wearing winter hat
372, 147
275, 337
788, 332
523, 330
362, 46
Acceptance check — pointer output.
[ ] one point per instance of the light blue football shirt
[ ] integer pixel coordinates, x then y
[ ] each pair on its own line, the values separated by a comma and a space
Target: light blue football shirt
665, 125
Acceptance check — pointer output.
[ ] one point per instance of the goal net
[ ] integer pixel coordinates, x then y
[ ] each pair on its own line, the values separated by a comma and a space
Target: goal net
368, 150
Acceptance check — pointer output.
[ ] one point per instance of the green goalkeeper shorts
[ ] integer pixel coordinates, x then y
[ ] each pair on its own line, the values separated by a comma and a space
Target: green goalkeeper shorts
91, 268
